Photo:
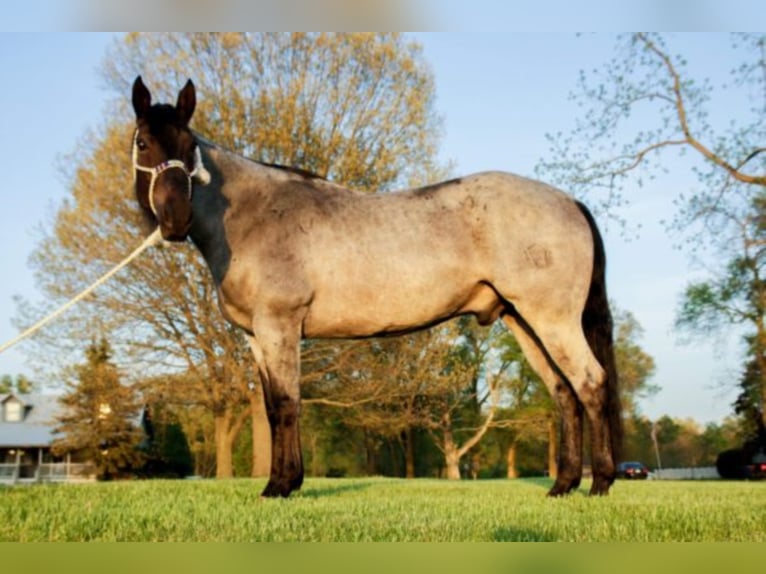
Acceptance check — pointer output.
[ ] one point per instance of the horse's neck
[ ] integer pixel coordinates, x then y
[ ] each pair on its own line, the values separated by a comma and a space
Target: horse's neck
210, 203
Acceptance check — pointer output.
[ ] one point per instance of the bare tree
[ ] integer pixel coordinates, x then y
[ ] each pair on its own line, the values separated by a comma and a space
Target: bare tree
607, 152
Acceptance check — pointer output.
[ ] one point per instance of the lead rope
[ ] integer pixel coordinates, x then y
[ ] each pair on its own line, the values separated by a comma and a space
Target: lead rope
199, 172
153, 239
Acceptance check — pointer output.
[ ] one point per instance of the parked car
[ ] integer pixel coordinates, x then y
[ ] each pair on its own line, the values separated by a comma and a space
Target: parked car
632, 469
756, 470
742, 463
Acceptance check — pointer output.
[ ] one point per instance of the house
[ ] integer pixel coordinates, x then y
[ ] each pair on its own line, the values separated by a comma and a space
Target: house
26, 435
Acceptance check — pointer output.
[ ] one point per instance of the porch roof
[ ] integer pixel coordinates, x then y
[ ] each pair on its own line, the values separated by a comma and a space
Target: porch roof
19, 435
36, 430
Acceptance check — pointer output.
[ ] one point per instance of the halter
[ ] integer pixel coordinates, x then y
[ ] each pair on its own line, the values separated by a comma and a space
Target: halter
199, 172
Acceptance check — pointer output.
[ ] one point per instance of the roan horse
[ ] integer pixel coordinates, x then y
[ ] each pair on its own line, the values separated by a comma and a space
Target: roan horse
296, 256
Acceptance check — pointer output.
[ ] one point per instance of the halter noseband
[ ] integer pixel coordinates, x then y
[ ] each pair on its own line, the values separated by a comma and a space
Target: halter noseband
199, 172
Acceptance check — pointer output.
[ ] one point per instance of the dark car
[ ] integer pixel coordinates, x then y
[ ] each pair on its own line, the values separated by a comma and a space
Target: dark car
635, 470
742, 463
756, 470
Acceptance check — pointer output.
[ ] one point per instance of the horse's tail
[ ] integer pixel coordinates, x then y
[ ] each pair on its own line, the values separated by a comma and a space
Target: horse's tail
597, 325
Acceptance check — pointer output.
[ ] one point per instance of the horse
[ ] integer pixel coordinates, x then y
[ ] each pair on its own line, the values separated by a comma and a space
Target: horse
296, 256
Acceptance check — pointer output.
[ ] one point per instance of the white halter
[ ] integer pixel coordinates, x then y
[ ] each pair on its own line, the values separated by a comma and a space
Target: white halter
200, 173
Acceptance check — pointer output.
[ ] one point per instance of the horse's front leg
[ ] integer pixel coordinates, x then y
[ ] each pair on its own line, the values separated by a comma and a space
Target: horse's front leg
276, 346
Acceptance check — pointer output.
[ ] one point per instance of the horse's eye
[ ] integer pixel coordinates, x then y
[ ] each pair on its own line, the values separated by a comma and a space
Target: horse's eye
141, 144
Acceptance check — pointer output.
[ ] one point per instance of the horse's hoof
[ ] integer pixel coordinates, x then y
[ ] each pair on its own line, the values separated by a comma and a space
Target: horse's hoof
600, 487
281, 488
556, 492
274, 490
563, 487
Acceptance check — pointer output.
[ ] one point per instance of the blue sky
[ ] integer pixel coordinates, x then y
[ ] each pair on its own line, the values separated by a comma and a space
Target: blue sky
499, 94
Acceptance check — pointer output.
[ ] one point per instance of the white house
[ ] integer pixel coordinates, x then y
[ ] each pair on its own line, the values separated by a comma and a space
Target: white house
26, 435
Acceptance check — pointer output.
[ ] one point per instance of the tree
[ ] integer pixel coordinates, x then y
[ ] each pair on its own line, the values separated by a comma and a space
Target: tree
436, 381
634, 365
608, 151
461, 412
645, 77
100, 419
530, 415
166, 446
736, 295
527, 412
357, 108
18, 384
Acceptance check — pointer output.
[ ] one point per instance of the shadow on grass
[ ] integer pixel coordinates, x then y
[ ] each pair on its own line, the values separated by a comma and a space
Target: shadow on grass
510, 534
336, 488
542, 482
546, 483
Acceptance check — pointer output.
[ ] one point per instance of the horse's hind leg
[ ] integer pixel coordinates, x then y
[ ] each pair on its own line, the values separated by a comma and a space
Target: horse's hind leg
567, 347
569, 470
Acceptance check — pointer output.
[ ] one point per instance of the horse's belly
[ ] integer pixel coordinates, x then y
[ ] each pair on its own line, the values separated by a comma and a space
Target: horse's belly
364, 314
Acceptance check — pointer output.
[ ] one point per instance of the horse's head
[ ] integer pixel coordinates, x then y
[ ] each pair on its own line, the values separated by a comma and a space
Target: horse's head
166, 158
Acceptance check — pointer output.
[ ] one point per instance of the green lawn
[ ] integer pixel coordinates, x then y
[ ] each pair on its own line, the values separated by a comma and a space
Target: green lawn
378, 509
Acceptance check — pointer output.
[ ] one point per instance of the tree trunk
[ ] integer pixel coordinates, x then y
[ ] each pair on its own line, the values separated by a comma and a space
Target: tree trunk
453, 465
552, 464
510, 458
312, 442
370, 456
261, 434
394, 454
409, 453
451, 456
760, 357
223, 446
227, 428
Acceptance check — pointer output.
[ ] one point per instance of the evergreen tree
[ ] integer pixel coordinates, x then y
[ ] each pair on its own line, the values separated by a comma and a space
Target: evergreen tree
99, 420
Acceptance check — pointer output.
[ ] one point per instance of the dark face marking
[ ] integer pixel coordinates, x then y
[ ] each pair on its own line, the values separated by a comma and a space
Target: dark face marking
162, 134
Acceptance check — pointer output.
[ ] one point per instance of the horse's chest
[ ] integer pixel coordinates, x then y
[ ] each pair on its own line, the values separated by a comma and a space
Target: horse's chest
234, 311
251, 289
236, 296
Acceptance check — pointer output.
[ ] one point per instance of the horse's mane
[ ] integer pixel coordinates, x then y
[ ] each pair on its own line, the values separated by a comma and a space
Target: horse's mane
290, 169
296, 170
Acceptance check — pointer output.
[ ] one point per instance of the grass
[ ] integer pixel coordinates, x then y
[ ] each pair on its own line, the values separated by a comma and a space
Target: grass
379, 509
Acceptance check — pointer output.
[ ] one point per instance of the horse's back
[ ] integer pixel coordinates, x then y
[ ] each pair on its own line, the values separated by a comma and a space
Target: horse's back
513, 218
381, 261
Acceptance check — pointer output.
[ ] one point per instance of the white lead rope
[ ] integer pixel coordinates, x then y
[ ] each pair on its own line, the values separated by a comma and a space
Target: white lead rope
198, 173
153, 239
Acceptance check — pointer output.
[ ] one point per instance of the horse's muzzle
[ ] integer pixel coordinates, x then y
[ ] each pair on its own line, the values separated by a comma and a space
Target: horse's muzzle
172, 233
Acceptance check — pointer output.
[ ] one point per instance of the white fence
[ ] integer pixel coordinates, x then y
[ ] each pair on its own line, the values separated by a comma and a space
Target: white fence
698, 473
8, 472
12, 473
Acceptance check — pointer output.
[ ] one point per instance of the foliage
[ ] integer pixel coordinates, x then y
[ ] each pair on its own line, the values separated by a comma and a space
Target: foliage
18, 384
429, 381
647, 101
382, 406
100, 418
634, 365
354, 108
525, 417
377, 509
166, 447
736, 295
644, 103
682, 443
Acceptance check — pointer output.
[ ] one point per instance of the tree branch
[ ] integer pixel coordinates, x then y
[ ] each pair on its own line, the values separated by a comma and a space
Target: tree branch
684, 124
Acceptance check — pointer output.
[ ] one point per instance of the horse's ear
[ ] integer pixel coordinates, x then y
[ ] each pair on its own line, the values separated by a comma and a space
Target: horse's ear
187, 100
142, 99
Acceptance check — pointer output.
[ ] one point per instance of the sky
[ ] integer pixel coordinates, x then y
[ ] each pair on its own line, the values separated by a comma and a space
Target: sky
498, 95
